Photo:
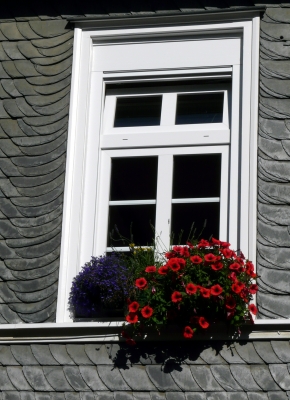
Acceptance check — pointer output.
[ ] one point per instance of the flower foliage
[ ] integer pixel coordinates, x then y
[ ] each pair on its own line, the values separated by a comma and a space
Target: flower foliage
196, 286
102, 283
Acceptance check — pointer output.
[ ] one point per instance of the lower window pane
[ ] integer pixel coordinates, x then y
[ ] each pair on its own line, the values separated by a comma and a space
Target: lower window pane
184, 215
131, 219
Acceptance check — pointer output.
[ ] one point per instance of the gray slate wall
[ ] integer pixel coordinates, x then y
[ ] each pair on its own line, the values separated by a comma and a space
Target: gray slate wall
35, 67
35, 74
274, 165
236, 371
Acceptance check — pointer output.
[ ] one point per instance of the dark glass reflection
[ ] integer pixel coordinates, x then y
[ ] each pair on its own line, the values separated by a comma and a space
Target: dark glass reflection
134, 178
138, 111
138, 217
184, 215
197, 175
199, 108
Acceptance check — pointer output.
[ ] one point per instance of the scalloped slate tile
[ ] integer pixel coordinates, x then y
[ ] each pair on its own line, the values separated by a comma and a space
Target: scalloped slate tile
112, 378
49, 29
78, 354
26, 31
224, 377
17, 378
5, 382
12, 51
262, 376
185, 380
137, 378
56, 378
36, 378
90, 376
74, 378
60, 354
204, 378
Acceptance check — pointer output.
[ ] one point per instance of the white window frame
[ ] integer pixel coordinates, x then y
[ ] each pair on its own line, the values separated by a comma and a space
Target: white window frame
86, 110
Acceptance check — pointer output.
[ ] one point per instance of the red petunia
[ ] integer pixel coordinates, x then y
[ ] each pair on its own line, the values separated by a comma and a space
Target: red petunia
150, 268
141, 283
203, 322
131, 342
253, 309
253, 288
163, 270
147, 311
234, 267
232, 276
227, 253
225, 244
205, 292
210, 257
175, 264
176, 297
191, 288
215, 242
188, 332
134, 306
216, 290
217, 266
132, 318
169, 254
203, 243
237, 287
230, 303
196, 259
181, 250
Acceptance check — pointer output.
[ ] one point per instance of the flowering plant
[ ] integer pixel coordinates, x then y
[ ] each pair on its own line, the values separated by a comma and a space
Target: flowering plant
102, 284
196, 285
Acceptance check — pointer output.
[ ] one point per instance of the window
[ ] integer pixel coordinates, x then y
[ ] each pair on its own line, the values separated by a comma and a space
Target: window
154, 110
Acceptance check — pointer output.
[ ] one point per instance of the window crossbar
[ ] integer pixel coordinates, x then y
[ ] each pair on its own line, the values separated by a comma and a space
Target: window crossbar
130, 202
197, 200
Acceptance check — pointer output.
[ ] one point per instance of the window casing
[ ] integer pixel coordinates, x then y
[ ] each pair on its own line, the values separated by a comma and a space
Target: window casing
202, 53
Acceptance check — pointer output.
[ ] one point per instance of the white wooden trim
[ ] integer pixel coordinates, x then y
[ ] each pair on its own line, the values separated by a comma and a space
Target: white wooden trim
196, 200
82, 155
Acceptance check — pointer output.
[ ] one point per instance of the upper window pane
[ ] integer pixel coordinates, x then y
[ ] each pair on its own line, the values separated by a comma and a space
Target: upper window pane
134, 178
199, 108
138, 111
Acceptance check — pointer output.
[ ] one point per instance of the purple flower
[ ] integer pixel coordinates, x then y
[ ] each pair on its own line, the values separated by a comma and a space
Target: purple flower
102, 283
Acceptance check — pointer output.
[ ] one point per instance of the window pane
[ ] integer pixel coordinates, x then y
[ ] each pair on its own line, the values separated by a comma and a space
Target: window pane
197, 175
184, 215
134, 178
199, 108
139, 217
138, 111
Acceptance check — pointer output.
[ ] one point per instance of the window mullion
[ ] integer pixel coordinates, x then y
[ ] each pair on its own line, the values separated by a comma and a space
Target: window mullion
164, 194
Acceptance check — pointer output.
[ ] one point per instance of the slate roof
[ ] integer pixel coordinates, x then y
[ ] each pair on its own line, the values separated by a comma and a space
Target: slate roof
35, 74
35, 67
236, 371
273, 167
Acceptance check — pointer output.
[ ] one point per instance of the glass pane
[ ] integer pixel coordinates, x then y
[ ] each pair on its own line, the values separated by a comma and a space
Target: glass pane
138, 111
199, 108
197, 175
139, 218
184, 215
134, 178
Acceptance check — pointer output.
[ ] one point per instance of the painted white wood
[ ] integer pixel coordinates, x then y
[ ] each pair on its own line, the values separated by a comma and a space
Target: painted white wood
196, 200
167, 54
130, 202
168, 109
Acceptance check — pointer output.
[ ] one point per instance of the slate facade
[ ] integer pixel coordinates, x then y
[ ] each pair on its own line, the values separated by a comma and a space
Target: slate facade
36, 46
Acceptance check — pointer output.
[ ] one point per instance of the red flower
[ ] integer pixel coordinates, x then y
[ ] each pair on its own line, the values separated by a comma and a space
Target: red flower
181, 250
150, 269
132, 318
131, 342
191, 288
205, 292
230, 303
216, 290
176, 297
141, 283
249, 268
147, 311
134, 306
203, 322
125, 335
232, 276
227, 253
237, 287
188, 332
163, 270
225, 244
196, 259
203, 243
215, 242
210, 257
169, 254
175, 264
253, 309
253, 288
234, 267
217, 266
